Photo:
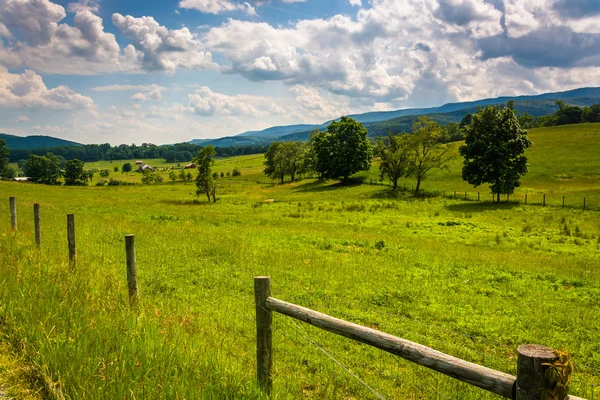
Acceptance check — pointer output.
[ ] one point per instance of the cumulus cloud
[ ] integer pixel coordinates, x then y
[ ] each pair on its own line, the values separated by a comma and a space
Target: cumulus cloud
206, 102
159, 48
217, 6
28, 91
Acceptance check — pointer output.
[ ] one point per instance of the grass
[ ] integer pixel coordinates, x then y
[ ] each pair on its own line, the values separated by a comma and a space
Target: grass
474, 280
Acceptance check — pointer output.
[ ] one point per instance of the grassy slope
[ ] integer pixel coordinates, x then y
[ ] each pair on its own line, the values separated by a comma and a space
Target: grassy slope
473, 280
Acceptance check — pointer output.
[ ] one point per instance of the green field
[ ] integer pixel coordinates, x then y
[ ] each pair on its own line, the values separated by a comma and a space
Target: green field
474, 280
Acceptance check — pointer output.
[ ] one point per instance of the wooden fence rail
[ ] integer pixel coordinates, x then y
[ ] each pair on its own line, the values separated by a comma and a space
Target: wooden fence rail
497, 382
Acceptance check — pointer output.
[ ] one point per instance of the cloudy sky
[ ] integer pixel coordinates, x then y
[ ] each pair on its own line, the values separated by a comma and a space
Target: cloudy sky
164, 71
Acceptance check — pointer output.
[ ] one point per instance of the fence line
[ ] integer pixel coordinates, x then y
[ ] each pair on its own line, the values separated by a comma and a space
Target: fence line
530, 382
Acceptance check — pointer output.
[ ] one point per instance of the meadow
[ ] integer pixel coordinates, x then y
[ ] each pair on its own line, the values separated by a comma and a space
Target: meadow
471, 279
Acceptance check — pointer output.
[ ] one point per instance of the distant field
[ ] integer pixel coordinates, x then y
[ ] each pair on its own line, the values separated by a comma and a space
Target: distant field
474, 280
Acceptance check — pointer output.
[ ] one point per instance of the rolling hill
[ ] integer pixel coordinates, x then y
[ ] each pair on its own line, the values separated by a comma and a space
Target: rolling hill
379, 123
34, 142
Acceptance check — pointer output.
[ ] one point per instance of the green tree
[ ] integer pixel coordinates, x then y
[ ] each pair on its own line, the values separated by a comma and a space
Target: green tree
274, 167
494, 150
4, 156
104, 173
10, 173
115, 168
173, 175
594, 113
342, 150
127, 168
236, 172
74, 173
90, 174
396, 156
428, 149
285, 158
204, 181
43, 169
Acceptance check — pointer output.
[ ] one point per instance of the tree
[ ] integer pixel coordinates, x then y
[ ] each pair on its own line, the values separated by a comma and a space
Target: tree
594, 113
104, 173
116, 169
493, 150
10, 173
90, 174
236, 172
342, 150
204, 181
429, 152
274, 167
284, 158
74, 173
173, 175
127, 167
43, 169
396, 155
4, 156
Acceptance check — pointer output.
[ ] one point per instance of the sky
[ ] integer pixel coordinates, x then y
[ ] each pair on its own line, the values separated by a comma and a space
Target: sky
162, 71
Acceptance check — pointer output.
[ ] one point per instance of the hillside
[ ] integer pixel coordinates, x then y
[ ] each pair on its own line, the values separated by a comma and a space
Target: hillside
379, 123
34, 142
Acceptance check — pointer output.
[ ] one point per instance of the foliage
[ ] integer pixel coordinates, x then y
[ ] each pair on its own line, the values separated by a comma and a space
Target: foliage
494, 150
173, 175
284, 158
429, 151
10, 173
116, 169
126, 168
43, 169
151, 177
236, 172
204, 180
559, 375
342, 150
104, 173
4, 157
74, 174
395, 157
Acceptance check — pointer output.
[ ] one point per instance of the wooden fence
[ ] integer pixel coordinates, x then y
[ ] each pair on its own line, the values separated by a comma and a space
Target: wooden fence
529, 384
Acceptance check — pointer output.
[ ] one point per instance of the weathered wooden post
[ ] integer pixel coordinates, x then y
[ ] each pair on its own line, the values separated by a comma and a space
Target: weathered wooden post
71, 239
531, 381
465, 195
583, 204
544, 201
525, 198
563, 203
36, 223
264, 343
13, 212
132, 282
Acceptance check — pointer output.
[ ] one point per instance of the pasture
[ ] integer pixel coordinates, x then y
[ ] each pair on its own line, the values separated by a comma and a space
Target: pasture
471, 279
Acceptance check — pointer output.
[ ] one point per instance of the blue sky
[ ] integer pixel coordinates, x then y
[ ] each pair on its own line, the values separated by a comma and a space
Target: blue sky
167, 71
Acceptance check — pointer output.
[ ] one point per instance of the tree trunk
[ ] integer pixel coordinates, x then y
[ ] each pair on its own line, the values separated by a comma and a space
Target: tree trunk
346, 179
292, 176
418, 186
208, 194
395, 183
498, 194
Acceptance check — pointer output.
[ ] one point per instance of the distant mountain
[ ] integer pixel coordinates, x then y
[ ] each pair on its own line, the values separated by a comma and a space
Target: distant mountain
34, 142
379, 123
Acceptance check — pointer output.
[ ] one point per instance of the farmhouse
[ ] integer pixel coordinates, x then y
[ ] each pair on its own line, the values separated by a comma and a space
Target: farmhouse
139, 162
21, 179
145, 167
191, 166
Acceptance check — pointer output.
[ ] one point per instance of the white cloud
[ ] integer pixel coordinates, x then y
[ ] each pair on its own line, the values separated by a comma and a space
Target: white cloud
150, 95
355, 3
28, 91
158, 48
124, 88
206, 102
23, 118
217, 6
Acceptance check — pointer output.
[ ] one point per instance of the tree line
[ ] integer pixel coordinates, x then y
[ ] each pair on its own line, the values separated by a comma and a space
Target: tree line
493, 151
181, 152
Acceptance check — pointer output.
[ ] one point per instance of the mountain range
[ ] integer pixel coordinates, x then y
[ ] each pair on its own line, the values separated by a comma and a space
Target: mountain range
34, 142
380, 122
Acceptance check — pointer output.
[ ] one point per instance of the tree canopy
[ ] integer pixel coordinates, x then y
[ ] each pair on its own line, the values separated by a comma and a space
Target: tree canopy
205, 182
494, 150
74, 173
395, 155
284, 158
342, 150
4, 157
43, 169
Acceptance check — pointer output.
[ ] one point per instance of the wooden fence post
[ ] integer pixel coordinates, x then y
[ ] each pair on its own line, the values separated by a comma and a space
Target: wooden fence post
525, 198
13, 212
465, 195
544, 201
36, 223
583, 204
132, 282
71, 239
531, 381
264, 343
563, 203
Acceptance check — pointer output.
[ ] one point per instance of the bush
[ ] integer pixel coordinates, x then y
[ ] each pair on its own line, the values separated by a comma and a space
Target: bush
236, 172
101, 182
105, 173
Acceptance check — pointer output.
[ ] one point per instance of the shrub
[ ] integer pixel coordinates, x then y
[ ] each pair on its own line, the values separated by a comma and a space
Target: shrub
236, 172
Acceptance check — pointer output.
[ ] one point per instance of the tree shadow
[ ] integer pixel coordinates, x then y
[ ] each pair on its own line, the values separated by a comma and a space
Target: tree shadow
324, 186
191, 202
477, 206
